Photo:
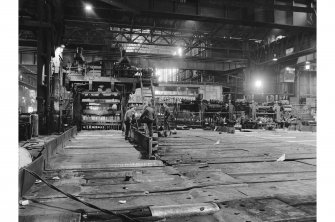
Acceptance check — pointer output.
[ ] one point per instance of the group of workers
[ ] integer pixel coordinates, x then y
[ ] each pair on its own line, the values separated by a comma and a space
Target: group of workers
276, 108
231, 118
148, 117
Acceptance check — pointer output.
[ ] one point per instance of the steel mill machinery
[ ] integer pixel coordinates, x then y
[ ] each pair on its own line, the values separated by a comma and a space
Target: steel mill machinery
102, 92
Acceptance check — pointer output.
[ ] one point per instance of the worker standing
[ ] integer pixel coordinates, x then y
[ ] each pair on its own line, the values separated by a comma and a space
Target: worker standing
77, 108
127, 120
231, 109
148, 116
253, 107
276, 108
167, 114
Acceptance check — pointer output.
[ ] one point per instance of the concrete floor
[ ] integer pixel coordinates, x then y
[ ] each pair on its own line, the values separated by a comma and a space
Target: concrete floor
237, 171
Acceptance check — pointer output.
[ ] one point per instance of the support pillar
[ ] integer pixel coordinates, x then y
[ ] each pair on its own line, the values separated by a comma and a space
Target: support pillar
297, 93
90, 85
41, 62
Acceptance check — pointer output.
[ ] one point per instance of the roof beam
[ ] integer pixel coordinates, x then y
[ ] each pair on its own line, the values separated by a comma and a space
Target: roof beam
220, 20
266, 5
138, 26
184, 64
160, 44
34, 24
121, 5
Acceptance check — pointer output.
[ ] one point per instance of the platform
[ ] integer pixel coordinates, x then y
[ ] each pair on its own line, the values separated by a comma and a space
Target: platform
237, 173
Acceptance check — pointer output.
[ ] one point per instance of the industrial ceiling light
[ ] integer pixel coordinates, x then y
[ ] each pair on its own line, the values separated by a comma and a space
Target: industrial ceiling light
88, 7
258, 84
180, 51
274, 57
279, 37
308, 65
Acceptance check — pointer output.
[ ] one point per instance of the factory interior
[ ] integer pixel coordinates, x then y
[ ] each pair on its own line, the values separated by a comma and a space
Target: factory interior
167, 110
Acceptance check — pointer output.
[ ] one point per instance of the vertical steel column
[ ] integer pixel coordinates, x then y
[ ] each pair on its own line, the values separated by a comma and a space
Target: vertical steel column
90, 85
298, 85
44, 42
150, 148
60, 99
48, 39
152, 92
123, 103
235, 88
153, 100
40, 67
142, 89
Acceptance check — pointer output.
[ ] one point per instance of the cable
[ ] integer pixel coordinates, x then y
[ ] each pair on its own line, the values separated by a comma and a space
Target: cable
123, 216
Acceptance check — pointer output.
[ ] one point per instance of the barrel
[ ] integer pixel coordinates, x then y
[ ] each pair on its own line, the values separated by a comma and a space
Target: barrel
26, 118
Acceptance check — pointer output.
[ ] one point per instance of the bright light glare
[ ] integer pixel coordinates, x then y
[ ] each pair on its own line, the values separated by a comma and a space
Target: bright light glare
166, 75
30, 109
274, 57
88, 7
258, 84
308, 65
180, 51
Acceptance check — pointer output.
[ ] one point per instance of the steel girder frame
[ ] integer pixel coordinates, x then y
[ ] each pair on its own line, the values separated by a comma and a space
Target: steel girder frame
81, 35
154, 12
186, 64
165, 29
302, 43
150, 36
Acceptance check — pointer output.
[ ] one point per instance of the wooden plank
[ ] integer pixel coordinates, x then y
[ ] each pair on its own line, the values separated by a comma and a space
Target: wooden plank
263, 167
267, 209
202, 154
138, 184
95, 163
289, 188
276, 177
298, 199
197, 195
100, 150
308, 161
254, 168
71, 217
182, 159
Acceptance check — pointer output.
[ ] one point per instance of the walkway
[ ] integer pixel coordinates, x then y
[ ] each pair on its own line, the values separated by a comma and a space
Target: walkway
238, 172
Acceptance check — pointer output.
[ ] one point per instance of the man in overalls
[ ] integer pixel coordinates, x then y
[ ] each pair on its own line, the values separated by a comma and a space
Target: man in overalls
148, 116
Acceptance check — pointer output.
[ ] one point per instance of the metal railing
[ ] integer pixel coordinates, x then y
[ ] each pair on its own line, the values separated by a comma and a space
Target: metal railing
51, 148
